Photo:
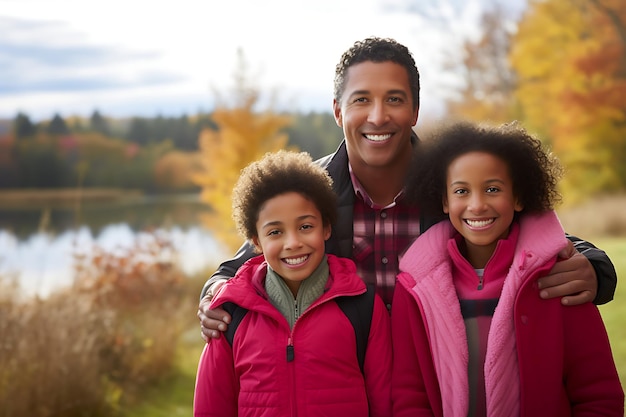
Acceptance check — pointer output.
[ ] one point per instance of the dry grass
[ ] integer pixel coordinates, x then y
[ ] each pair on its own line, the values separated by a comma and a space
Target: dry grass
598, 217
90, 349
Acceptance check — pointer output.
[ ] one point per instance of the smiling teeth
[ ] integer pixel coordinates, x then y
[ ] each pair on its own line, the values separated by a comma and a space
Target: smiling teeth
479, 223
296, 261
378, 138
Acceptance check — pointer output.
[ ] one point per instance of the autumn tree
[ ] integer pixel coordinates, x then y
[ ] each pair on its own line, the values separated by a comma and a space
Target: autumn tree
488, 80
570, 59
244, 134
174, 170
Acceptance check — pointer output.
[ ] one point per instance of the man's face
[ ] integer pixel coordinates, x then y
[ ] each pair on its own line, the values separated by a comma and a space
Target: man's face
376, 114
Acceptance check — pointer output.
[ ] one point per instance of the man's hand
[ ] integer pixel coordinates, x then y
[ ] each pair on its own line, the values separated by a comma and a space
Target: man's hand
572, 278
214, 321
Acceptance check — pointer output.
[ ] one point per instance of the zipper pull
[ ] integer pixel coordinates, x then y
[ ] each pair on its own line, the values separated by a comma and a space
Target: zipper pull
290, 351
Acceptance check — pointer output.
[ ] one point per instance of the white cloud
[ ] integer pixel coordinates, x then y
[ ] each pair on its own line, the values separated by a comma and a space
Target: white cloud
144, 57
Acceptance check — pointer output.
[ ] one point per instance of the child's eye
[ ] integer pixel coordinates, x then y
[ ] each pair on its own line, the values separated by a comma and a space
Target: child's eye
493, 189
460, 191
274, 232
306, 226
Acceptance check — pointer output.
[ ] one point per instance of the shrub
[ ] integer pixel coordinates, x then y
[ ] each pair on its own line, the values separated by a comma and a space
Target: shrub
87, 349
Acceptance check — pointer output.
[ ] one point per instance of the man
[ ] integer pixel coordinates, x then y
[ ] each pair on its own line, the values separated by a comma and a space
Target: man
376, 103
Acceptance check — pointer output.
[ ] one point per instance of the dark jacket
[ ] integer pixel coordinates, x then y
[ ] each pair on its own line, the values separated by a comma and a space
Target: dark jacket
340, 241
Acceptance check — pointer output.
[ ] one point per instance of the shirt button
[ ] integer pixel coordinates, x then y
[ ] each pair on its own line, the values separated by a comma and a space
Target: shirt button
385, 260
383, 214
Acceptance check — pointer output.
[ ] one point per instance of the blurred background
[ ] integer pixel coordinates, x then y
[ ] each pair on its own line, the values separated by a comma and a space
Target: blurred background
124, 124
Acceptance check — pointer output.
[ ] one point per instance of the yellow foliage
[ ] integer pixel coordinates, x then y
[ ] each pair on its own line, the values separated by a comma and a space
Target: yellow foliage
243, 136
569, 56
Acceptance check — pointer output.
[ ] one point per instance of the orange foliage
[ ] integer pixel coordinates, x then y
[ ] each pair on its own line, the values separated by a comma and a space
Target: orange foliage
570, 57
175, 169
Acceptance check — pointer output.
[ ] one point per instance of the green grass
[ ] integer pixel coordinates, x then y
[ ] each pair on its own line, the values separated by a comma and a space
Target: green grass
173, 397
614, 313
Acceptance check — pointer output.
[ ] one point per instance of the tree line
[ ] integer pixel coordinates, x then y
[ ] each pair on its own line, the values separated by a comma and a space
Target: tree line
560, 69
157, 154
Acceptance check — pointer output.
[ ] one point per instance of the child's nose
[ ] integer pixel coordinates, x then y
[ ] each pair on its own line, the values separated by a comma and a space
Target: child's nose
293, 240
477, 203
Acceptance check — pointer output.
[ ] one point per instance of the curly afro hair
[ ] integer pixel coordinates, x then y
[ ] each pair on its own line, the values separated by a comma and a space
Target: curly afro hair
279, 173
535, 172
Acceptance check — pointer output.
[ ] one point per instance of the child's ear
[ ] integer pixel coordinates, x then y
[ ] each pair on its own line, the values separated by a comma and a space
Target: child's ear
518, 205
444, 202
257, 244
327, 231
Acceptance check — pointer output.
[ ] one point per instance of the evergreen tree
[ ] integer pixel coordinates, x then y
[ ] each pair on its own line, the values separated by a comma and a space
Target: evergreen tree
99, 124
23, 127
57, 126
139, 131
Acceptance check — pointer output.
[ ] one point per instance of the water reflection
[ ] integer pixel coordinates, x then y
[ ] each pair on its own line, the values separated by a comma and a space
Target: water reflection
37, 244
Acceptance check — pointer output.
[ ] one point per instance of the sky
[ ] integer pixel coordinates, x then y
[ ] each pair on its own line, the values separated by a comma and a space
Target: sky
146, 58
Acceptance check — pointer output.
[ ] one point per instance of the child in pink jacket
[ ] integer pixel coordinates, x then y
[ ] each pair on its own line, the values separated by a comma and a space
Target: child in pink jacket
294, 353
471, 336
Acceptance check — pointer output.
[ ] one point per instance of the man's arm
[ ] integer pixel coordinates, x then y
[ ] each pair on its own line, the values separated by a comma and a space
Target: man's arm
587, 274
214, 321
229, 268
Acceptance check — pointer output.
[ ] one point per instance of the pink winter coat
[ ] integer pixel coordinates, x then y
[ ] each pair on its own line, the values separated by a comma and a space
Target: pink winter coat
563, 355
254, 377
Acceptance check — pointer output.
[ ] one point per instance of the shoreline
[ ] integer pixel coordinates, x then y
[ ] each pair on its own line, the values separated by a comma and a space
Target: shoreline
64, 196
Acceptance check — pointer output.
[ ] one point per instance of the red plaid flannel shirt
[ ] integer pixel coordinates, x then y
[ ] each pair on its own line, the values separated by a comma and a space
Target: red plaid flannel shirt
381, 234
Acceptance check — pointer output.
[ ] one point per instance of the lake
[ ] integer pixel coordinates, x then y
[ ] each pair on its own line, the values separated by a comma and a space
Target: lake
38, 242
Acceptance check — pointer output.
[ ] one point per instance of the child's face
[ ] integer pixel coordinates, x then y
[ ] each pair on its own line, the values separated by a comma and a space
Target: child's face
479, 200
291, 235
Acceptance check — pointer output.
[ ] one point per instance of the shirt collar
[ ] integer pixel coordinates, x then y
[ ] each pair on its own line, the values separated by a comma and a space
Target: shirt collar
360, 192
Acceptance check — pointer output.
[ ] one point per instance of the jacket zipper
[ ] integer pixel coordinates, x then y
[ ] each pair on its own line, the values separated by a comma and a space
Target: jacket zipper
290, 350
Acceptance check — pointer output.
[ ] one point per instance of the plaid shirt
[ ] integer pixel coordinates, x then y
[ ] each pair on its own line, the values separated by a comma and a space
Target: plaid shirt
381, 234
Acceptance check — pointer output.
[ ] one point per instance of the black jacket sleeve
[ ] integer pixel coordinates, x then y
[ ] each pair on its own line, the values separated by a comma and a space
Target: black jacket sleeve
605, 271
228, 268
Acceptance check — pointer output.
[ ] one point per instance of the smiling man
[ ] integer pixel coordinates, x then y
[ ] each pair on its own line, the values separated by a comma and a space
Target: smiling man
376, 103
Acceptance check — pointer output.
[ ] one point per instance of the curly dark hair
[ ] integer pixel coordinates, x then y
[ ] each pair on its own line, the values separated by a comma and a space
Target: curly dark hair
535, 172
278, 173
377, 50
